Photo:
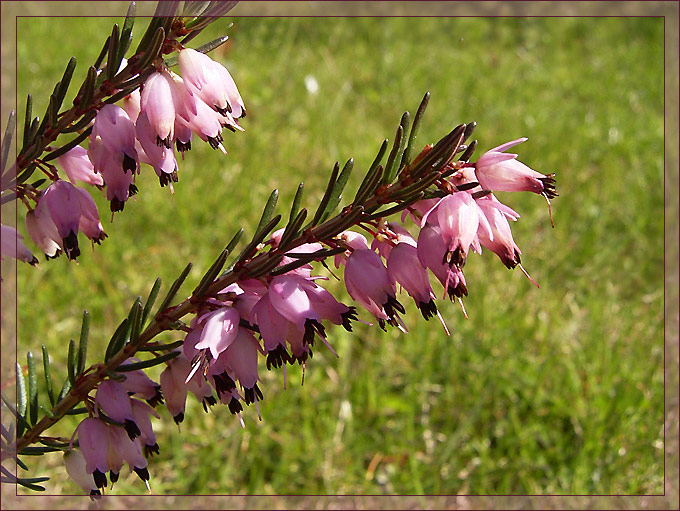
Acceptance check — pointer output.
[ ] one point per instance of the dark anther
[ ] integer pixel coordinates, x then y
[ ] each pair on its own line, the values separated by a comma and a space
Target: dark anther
183, 146
99, 478
117, 205
392, 306
235, 406
131, 429
166, 142
113, 476
347, 317
132, 189
157, 398
278, 356
129, 164
428, 309
208, 401
251, 393
150, 450
549, 186
456, 257
71, 245
166, 178
143, 473
224, 384
224, 111
215, 141
178, 418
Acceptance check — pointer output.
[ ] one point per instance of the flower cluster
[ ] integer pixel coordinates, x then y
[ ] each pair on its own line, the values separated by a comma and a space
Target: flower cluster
281, 314
165, 113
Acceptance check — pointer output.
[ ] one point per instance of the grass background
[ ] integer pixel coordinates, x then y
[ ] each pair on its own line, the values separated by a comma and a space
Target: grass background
550, 391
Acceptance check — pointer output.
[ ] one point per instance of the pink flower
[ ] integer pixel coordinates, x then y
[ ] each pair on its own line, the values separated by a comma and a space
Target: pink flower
500, 242
160, 157
211, 82
142, 414
117, 133
458, 220
218, 330
119, 182
175, 387
367, 282
113, 400
43, 232
78, 167
131, 104
106, 448
89, 222
238, 362
76, 468
12, 246
138, 384
499, 171
403, 267
62, 201
430, 247
158, 103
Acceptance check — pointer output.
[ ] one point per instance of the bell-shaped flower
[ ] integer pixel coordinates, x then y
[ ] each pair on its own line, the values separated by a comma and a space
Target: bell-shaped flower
388, 237
158, 103
76, 468
119, 182
160, 157
458, 220
218, 330
117, 133
500, 171
138, 384
240, 360
43, 232
132, 104
142, 414
211, 82
404, 268
12, 246
89, 223
501, 241
354, 241
367, 282
78, 167
114, 401
431, 246
62, 201
275, 330
175, 387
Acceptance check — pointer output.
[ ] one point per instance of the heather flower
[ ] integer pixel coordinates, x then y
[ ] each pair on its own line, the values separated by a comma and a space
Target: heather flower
499, 171
78, 167
367, 282
43, 232
430, 247
218, 330
176, 385
403, 267
160, 157
12, 246
500, 241
113, 400
119, 182
76, 468
237, 362
117, 133
158, 104
106, 448
138, 384
142, 414
211, 82
62, 201
89, 222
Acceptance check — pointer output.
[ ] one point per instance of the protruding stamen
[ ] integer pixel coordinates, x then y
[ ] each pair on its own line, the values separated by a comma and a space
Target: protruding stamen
528, 276
552, 223
441, 320
462, 307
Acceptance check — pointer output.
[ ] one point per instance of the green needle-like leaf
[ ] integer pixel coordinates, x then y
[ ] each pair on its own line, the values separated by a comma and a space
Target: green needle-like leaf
113, 63
68, 146
27, 121
296, 202
22, 393
370, 175
117, 340
134, 366
293, 228
102, 53
268, 211
161, 347
32, 389
72, 362
257, 239
86, 92
135, 319
64, 390
47, 412
391, 168
172, 292
326, 196
406, 157
65, 82
126, 32
210, 275
82, 345
151, 51
153, 294
339, 187
7, 139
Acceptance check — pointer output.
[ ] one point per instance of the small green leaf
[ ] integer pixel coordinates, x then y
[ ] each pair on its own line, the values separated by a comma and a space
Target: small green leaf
76, 411
7, 139
296, 202
65, 82
212, 45
161, 347
113, 63
406, 157
370, 175
210, 275
82, 346
268, 211
339, 187
153, 294
134, 366
72, 362
117, 340
151, 51
37, 450
467, 154
172, 292
442, 150
65, 389
135, 319
86, 91
102, 53
22, 393
394, 158
326, 196
32, 388
293, 228
257, 239
47, 412
126, 32
28, 118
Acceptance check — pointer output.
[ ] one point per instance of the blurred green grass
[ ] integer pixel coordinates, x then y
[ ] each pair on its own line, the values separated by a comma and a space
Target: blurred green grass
557, 390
